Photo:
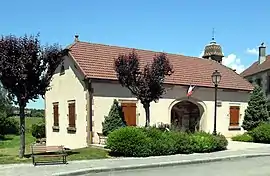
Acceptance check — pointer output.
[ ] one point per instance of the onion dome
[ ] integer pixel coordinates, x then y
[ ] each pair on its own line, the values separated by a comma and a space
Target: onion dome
213, 51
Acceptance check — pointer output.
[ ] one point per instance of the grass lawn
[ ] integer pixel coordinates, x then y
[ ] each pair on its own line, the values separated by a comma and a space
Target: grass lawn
9, 148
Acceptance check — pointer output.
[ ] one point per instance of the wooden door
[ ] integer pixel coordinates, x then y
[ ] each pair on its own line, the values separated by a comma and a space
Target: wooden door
129, 111
234, 115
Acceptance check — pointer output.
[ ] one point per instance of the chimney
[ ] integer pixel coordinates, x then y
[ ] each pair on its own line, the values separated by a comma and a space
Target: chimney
76, 38
262, 53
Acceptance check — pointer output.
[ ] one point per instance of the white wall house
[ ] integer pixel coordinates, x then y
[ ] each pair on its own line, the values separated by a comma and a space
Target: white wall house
84, 87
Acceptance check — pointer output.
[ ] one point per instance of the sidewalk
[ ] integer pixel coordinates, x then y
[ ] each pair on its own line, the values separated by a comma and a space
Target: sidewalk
126, 163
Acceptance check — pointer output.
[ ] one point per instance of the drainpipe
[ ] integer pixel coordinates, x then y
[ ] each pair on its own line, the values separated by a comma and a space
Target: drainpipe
89, 111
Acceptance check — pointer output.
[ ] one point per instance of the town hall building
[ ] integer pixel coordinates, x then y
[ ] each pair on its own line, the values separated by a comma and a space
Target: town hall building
84, 86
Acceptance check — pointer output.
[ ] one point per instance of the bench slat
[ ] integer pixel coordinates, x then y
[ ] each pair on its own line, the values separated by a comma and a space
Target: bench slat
50, 155
41, 148
48, 151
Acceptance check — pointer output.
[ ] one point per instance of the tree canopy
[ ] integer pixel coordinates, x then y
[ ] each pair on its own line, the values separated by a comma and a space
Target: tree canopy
257, 110
146, 84
26, 69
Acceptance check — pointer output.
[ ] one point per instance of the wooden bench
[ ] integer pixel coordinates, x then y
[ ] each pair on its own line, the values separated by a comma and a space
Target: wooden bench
48, 151
101, 138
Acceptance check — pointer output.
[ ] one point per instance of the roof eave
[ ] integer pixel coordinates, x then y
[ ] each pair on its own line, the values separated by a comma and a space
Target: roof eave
169, 84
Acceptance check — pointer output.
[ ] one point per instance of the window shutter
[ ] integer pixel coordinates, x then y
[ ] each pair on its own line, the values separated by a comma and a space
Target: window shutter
55, 115
234, 115
71, 114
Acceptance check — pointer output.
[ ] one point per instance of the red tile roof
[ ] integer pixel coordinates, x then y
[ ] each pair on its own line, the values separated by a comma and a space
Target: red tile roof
97, 60
256, 67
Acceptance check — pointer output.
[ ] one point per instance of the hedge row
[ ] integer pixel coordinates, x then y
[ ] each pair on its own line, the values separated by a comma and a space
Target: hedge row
260, 134
142, 142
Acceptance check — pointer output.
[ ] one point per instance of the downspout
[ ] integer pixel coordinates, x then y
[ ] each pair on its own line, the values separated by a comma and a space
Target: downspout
89, 107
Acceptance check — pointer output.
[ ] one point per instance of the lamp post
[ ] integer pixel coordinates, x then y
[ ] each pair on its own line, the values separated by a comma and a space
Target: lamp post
216, 77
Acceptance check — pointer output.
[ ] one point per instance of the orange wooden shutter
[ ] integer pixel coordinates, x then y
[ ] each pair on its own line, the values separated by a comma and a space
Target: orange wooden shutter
55, 115
234, 115
129, 111
71, 114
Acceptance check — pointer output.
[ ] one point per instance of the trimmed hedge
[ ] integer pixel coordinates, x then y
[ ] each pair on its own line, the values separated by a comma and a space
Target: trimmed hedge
142, 142
261, 134
246, 137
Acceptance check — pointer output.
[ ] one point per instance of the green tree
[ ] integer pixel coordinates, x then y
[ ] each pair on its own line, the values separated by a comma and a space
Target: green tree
7, 124
26, 69
257, 110
114, 120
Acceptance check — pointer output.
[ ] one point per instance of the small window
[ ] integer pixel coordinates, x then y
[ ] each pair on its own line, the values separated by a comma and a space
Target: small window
234, 115
259, 82
55, 117
268, 84
71, 116
55, 114
62, 69
250, 80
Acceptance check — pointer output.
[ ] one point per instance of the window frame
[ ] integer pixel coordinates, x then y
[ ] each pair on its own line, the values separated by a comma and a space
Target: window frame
71, 116
55, 116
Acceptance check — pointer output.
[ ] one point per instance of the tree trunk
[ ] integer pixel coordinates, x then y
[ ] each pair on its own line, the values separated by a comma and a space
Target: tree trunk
146, 107
22, 131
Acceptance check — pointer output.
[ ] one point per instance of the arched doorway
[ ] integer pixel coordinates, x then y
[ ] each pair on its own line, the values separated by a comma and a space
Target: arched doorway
186, 116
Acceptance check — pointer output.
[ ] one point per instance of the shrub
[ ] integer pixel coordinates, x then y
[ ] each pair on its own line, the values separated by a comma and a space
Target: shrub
160, 143
206, 142
203, 142
183, 142
114, 120
243, 137
128, 141
38, 130
261, 134
138, 142
257, 110
220, 143
8, 125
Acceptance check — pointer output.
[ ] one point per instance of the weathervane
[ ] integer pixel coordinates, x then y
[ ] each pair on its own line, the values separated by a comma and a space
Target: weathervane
213, 34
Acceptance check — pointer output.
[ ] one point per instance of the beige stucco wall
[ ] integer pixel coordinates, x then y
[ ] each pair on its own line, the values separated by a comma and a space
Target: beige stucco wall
64, 88
71, 87
104, 93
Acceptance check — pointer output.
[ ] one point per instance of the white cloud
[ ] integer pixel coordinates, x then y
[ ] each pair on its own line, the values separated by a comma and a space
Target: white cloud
252, 51
231, 61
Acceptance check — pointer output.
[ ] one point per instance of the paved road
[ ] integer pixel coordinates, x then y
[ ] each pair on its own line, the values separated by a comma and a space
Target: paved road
241, 167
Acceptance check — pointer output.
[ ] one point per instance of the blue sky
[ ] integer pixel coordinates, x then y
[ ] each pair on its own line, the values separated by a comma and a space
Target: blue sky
177, 26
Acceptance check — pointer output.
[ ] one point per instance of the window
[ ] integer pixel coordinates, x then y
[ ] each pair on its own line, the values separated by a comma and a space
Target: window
250, 80
71, 116
55, 117
62, 69
268, 84
234, 117
259, 81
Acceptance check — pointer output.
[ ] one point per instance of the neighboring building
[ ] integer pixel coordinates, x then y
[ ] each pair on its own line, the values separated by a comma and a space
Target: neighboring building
84, 87
259, 72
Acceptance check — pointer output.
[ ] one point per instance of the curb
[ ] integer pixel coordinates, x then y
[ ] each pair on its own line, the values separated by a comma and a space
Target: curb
155, 165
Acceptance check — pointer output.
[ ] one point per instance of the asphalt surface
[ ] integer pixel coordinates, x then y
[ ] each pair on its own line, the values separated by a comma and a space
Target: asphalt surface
241, 167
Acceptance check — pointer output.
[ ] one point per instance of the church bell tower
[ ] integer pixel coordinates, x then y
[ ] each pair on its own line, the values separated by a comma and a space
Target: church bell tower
213, 51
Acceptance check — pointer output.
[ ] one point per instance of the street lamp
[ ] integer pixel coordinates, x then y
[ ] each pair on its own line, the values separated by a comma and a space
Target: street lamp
216, 77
